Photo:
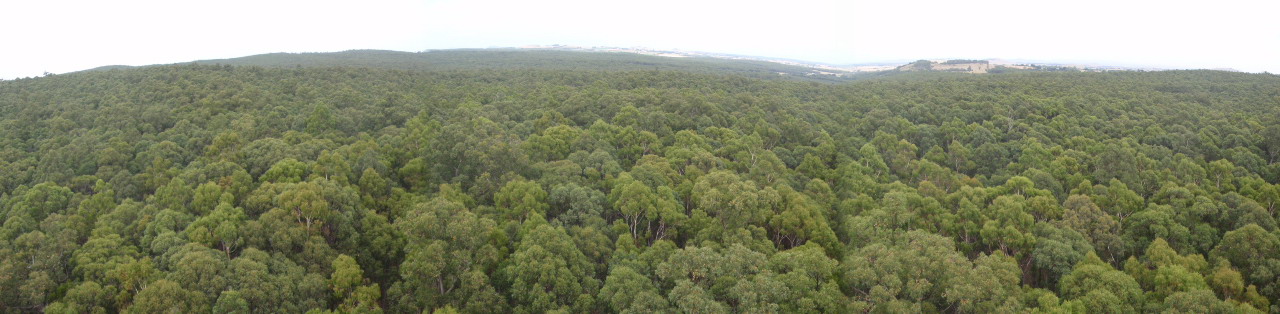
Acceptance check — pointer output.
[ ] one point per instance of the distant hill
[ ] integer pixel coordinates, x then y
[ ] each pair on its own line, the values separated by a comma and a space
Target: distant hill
111, 67
963, 66
470, 59
1003, 66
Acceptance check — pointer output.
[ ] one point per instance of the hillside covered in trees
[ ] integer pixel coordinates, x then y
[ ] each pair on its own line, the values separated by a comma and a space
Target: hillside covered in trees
526, 59
601, 189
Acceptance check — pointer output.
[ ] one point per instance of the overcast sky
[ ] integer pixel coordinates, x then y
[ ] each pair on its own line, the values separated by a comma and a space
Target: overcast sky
61, 36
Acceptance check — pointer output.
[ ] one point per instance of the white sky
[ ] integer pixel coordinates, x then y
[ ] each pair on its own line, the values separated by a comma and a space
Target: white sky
61, 36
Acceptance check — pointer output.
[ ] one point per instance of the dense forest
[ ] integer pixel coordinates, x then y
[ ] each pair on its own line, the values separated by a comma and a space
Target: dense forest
524, 59
286, 189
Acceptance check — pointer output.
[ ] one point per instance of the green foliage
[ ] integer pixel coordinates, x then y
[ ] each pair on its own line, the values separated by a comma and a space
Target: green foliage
503, 181
164, 296
1101, 287
915, 267
548, 272
521, 199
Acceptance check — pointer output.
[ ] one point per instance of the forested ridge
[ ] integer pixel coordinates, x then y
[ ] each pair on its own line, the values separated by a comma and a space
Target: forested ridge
245, 189
526, 59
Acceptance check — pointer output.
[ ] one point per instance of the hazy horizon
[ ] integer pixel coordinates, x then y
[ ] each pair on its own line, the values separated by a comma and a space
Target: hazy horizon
76, 35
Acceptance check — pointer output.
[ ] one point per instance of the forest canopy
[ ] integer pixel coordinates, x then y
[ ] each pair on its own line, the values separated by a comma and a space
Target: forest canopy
247, 188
